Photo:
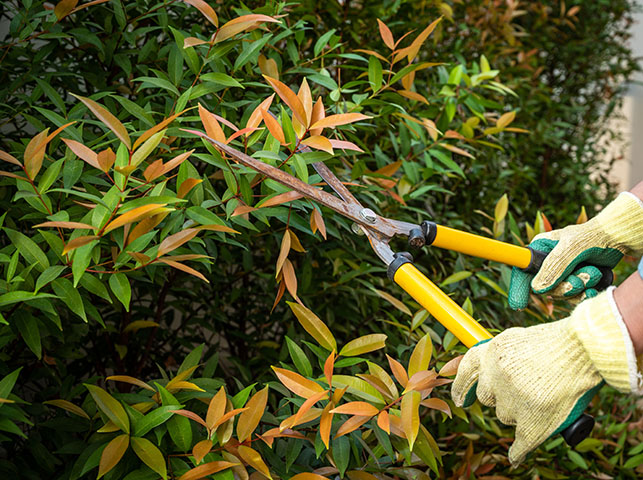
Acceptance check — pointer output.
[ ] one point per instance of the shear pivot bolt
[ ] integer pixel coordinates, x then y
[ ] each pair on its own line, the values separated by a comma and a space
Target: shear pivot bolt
368, 215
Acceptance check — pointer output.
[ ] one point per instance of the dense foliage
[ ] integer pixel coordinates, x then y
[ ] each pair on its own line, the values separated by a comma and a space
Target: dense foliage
145, 277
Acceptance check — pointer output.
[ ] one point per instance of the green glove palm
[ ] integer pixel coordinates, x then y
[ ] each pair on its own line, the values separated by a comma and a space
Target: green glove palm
601, 241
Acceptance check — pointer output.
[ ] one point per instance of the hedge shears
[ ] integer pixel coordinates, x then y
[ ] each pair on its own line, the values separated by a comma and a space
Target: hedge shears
380, 230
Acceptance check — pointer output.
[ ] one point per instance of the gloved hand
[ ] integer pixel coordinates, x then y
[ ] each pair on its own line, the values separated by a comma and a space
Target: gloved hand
602, 241
541, 378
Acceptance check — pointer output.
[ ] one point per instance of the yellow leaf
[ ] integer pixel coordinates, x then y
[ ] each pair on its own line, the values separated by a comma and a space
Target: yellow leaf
201, 449
357, 408
297, 384
138, 324
65, 225
320, 143
206, 469
218, 228
133, 215
318, 114
582, 217
431, 128
386, 379
421, 355
501, 208
249, 420
283, 251
268, 67
148, 133
110, 407
70, 407
394, 301
295, 244
216, 409
175, 241
506, 119
411, 416
314, 326
252, 458
207, 11
273, 126
338, 119
365, 344
306, 99
108, 119
456, 150
112, 454
386, 34
131, 380
146, 148
239, 24
413, 96
183, 385
79, 242
289, 98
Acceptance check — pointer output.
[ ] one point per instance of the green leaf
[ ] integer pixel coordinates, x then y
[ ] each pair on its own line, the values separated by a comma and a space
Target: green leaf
633, 462
148, 146
29, 249
153, 419
68, 294
251, 51
299, 358
456, 277
322, 41
221, 79
119, 284
21, 296
94, 285
150, 455
341, 451
49, 275
578, 459
192, 359
149, 82
365, 344
110, 407
375, 73
7, 383
27, 325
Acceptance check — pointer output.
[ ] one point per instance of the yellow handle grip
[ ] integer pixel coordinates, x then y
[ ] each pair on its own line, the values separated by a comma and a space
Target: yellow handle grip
481, 247
439, 304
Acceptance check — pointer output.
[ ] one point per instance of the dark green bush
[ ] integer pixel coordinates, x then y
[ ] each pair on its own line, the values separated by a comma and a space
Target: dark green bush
501, 99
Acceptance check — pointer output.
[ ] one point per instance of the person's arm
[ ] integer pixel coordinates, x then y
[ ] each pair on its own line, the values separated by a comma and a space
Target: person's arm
629, 300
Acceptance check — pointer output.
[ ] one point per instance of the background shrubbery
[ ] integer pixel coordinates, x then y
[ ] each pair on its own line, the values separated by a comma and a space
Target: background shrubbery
501, 114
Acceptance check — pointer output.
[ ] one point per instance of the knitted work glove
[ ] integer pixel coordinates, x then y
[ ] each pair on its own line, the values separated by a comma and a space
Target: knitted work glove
601, 241
541, 378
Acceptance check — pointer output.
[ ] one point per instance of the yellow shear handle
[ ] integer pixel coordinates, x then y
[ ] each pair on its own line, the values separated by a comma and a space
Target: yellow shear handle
440, 305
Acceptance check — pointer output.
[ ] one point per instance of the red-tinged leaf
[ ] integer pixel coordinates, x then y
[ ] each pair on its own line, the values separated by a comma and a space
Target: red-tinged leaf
187, 185
307, 476
255, 118
65, 225
70, 407
357, 408
365, 344
306, 99
413, 96
217, 228
153, 170
329, 366
216, 409
112, 454
437, 404
283, 251
546, 224
79, 242
339, 119
378, 384
451, 367
412, 51
191, 416
242, 209
34, 154
314, 326
374, 53
297, 384
249, 420
351, 424
106, 159
193, 42
239, 24
145, 226
207, 11
421, 355
383, 421
386, 34
456, 150
399, 372
243, 131
320, 143
290, 279
183, 268
420, 381
201, 449
9, 158
300, 416
317, 222
83, 152
411, 416
61, 10
211, 125
281, 198
131, 381
206, 469
390, 169
273, 126
227, 416
108, 119
326, 424
176, 240
134, 215
157, 128
176, 161
289, 98
395, 423
252, 458
318, 114
345, 145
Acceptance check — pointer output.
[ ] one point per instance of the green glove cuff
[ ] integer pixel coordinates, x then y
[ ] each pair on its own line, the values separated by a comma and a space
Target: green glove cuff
520, 284
471, 397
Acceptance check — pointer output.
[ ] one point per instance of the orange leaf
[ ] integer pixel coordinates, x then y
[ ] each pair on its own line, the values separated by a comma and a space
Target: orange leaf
79, 242
411, 416
83, 152
130, 380
9, 158
344, 145
106, 159
325, 424
249, 420
548, 227
386, 34
371, 52
218, 228
193, 42
140, 257
187, 185
289, 98
112, 454
306, 99
329, 365
255, 117
456, 150
420, 381
34, 153
183, 268
157, 128
357, 408
207, 11
506, 119
206, 469
297, 384
211, 124
299, 417
295, 243
252, 458
317, 222
145, 226
175, 241
413, 96
320, 143
582, 216
398, 371
153, 170
317, 115
108, 119
134, 215
412, 51
268, 67
239, 24
383, 421
280, 294
290, 279
451, 367
201, 449
378, 384
339, 119
351, 424
273, 126
386, 379
65, 225
437, 404
283, 251
176, 161
228, 415
281, 198
307, 476
191, 416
